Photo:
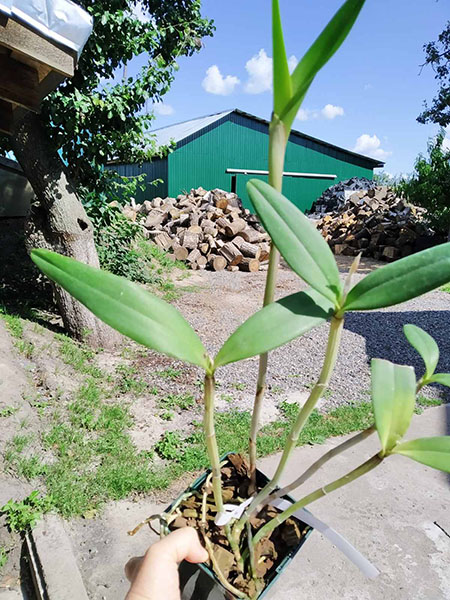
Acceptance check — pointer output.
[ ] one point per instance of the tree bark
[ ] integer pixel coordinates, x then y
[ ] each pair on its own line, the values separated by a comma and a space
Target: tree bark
60, 223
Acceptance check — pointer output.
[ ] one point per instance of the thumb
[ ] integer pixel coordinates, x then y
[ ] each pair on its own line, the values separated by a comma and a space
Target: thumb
157, 576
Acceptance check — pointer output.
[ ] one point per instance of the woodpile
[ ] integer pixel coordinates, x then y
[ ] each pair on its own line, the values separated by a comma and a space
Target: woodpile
206, 229
376, 223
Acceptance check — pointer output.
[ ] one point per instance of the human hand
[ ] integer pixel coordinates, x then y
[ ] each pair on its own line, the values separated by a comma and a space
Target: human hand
155, 575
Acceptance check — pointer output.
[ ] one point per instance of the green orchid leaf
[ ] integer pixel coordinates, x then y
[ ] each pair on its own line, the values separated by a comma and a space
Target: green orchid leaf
282, 85
328, 42
433, 451
125, 306
425, 346
442, 378
393, 398
274, 325
300, 243
402, 280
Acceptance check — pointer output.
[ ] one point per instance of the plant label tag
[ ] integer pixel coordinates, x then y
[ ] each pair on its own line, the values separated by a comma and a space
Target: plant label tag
334, 537
231, 511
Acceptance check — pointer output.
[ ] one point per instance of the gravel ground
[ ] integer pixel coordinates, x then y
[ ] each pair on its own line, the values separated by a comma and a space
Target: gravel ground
226, 299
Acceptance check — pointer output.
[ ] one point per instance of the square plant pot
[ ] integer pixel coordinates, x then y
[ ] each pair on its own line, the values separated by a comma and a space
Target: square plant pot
199, 582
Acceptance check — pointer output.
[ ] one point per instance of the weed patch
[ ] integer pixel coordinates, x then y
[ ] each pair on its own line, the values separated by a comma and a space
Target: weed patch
25, 514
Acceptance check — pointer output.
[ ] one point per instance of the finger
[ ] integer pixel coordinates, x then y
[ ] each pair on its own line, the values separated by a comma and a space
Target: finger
132, 567
158, 574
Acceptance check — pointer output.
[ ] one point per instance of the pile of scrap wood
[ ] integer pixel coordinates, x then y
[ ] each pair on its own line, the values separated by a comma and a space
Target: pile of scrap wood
375, 222
206, 229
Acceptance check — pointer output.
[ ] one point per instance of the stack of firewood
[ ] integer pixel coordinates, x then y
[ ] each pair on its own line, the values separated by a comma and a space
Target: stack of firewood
376, 223
206, 229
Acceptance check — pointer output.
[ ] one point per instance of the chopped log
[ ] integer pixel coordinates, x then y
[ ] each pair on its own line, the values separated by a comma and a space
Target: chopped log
250, 265
210, 231
217, 263
201, 262
250, 235
204, 248
180, 252
190, 240
222, 223
154, 218
194, 255
265, 251
163, 240
221, 203
232, 268
238, 240
233, 228
250, 250
195, 229
231, 253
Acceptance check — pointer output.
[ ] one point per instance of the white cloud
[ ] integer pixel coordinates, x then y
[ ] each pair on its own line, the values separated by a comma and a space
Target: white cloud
303, 114
160, 108
329, 111
368, 87
292, 62
259, 69
216, 83
260, 72
370, 146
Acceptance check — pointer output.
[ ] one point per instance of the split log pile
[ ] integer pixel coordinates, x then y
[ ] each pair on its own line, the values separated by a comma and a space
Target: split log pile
206, 229
375, 222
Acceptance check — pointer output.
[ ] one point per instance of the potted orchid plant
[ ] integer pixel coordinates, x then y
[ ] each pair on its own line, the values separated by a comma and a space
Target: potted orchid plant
250, 534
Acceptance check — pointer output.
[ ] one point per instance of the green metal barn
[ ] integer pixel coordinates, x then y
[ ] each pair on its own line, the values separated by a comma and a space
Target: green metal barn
226, 149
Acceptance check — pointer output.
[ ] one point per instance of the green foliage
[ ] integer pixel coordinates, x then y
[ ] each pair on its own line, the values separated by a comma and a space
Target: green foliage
170, 446
393, 397
401, 280
437, 55
432, 451
425, 346
275, 325
25, 514
77, 355
97, 116
442, 378
429, 185
126, 307
300, 243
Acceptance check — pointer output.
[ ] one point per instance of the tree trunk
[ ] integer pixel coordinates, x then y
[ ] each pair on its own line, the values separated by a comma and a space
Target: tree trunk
60, 223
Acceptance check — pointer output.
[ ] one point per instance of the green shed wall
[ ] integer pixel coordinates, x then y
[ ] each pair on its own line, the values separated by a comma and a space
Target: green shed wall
157, 169
241, 143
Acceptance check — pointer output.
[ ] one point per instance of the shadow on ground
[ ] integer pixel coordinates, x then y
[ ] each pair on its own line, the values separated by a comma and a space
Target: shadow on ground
383, 332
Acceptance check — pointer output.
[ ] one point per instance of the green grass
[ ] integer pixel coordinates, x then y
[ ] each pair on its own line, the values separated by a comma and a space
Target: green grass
14, 325
78, 356
177, 401
128, 381
446, 288
8, 411
169, 373
4, 552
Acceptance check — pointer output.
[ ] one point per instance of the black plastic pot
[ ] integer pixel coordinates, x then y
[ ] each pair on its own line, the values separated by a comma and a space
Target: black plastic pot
199, 582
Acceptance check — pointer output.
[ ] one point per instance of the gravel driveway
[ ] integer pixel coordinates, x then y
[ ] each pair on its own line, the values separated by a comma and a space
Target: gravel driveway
226, 299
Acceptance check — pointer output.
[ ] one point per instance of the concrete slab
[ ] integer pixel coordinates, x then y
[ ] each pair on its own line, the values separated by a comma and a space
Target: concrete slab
398, 516
55, 569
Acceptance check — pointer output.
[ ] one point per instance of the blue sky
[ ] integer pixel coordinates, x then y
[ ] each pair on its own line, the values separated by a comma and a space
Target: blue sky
367, 97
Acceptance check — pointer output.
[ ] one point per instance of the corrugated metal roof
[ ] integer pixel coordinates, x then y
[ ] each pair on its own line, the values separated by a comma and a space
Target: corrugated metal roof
181, 131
